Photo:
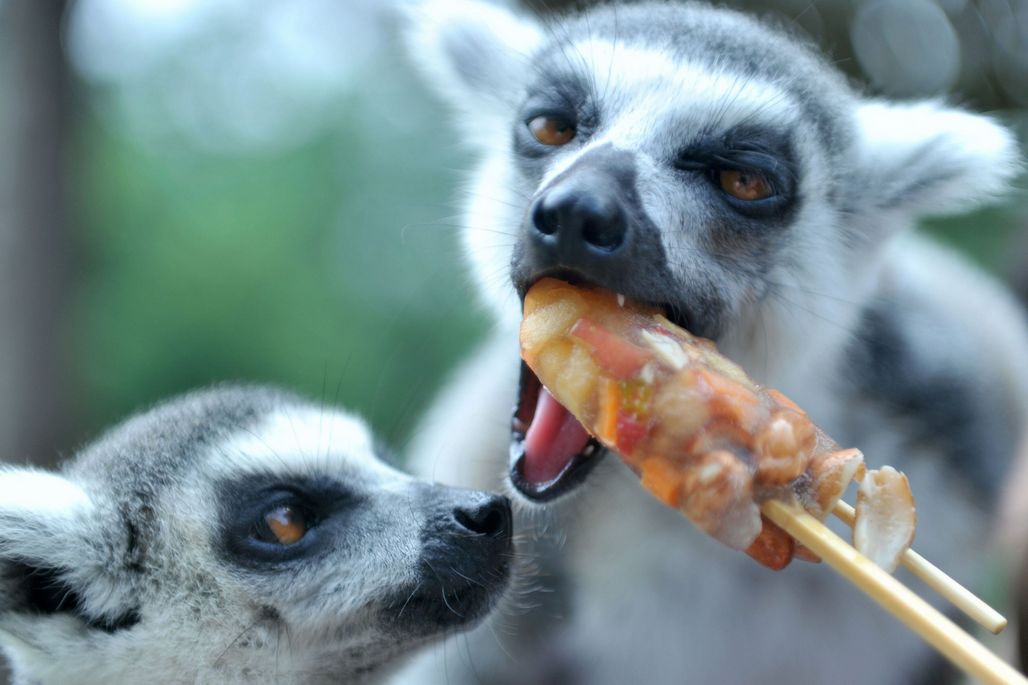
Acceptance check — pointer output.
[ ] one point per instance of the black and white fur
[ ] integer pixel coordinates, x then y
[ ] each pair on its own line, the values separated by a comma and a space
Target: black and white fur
138, 561
892, 343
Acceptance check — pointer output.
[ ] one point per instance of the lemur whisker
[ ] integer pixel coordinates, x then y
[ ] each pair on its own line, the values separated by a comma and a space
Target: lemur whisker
499, 643
250, 626
471, 661
446, 601
613, 53
409, 598
586, 64
278, 650
321, 414
809, 6
820, 316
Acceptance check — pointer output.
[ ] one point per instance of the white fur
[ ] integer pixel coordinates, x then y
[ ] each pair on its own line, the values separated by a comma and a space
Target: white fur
40, 492
930, 159
301, 441
639, 108
488, 239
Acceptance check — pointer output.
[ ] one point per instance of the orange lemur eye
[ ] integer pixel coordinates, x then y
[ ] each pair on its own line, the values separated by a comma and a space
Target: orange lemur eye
551, 130
745, 184
287, 524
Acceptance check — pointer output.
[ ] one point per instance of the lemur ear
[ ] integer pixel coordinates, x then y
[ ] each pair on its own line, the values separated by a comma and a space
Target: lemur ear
927, 159
46, 523
474, 54
40, 515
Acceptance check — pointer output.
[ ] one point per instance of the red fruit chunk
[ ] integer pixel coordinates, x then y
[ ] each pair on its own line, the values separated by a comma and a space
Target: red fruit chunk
617, 356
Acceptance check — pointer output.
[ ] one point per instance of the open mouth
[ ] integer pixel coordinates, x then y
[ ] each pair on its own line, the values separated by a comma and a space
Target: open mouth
551, 453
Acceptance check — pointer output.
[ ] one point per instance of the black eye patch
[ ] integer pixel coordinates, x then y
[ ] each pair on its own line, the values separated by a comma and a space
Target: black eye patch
246, 504
755, 150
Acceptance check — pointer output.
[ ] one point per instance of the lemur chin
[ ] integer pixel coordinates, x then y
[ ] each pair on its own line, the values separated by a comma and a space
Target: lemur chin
721, 168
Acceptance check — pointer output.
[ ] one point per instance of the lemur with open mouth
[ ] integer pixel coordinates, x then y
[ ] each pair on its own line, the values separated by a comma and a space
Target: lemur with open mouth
238, 535
703, 161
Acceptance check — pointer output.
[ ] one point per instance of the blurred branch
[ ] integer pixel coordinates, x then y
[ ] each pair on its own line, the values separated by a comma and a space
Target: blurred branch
34, 241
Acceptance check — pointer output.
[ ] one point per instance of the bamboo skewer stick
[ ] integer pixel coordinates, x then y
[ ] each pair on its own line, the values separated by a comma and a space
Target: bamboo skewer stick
958, 595
940, 632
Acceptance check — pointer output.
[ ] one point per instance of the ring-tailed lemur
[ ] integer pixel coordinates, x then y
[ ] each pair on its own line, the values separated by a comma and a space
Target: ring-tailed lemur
238, 535
696, 158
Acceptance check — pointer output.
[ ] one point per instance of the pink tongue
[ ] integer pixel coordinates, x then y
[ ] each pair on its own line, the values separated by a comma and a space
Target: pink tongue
553, 438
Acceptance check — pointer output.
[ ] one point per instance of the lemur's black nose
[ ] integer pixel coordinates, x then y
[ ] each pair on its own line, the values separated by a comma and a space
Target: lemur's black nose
574, 219
589, 224
468, 534
488, 516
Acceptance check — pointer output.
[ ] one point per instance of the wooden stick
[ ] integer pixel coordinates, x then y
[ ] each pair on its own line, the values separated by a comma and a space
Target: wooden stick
937, 630
958, 595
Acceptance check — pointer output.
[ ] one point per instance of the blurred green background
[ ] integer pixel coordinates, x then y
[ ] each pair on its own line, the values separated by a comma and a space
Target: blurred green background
204, 190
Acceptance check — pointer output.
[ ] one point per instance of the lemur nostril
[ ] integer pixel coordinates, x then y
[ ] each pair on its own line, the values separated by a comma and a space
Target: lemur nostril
572, 218
606, 233
545, 219
489, 517
493, 521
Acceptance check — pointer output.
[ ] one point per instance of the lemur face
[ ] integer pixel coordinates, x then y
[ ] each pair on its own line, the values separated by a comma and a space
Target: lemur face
239, 535
683, 201
692, 158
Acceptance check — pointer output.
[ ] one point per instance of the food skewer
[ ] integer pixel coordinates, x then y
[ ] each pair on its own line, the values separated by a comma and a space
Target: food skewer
742, 462
899, 600
934, 577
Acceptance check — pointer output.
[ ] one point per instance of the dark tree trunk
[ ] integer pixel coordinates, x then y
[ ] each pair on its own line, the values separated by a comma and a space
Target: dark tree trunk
34, 240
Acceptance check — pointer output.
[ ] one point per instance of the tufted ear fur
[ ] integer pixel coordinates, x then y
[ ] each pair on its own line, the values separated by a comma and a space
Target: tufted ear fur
927, 159
475, 54
55, 551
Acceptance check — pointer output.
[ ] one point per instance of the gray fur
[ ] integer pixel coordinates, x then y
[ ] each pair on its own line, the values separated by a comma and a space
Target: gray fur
135, 562
892, 344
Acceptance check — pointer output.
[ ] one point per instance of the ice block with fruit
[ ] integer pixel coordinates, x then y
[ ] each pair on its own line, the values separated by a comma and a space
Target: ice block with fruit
701, 435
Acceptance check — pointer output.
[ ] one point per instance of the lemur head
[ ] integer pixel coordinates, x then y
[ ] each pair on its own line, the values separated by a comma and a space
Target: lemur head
694, 158
238, 535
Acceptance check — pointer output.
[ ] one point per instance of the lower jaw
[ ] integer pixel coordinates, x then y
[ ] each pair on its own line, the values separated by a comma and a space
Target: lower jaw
569, 479
442, 607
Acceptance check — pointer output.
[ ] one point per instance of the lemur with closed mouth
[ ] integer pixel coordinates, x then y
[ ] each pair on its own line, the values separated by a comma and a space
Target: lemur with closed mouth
706, 162
238, 535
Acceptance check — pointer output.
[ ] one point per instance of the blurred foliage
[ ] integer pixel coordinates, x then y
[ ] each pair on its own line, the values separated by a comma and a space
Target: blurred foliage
329, 264
319, 267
